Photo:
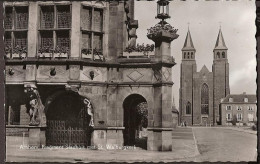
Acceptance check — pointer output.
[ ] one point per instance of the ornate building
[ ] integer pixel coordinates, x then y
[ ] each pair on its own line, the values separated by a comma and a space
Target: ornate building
201, 92
75, 76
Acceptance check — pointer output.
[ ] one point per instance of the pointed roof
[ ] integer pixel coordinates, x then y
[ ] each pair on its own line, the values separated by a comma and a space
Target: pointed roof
220, 44
204, 69
188, 44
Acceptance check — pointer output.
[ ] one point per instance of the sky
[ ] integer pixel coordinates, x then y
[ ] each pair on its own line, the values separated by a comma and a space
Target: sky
237, 21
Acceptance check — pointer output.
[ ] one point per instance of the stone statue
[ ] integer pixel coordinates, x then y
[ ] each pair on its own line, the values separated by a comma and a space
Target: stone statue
90, 111
36, 112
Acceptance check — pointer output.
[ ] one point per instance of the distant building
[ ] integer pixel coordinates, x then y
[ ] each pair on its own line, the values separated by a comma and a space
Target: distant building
241, 108
175, 116
201, 91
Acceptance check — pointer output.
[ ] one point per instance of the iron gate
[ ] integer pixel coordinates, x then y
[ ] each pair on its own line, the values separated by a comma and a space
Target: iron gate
72, 132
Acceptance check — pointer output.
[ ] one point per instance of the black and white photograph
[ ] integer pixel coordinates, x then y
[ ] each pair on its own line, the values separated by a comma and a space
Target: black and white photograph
130, 81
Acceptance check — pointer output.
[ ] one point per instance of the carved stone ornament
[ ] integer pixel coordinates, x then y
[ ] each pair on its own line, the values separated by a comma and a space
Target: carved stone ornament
36, 112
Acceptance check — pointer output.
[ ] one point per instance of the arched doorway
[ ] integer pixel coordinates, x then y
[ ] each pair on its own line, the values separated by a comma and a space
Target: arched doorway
68, 121
135, 121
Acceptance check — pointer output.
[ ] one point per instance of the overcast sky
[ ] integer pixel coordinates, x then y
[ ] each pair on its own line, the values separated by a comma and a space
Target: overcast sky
204, 17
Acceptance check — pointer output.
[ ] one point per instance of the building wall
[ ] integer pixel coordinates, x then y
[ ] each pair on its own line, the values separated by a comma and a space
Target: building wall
234, 111
200, 79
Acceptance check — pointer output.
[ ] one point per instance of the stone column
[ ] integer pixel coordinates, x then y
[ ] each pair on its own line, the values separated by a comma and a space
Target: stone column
160, 134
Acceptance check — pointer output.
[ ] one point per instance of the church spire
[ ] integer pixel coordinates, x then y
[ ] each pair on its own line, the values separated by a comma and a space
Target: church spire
188, 44
220, 44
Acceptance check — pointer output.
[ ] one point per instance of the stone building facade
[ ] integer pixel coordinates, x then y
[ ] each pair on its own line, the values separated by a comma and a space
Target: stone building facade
200, 92
238, 109
71, 78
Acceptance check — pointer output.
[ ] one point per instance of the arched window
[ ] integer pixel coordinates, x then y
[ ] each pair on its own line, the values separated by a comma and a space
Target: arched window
191, 55
218, 55
223, 54
184, 55
188, 108
188, 55
204, 99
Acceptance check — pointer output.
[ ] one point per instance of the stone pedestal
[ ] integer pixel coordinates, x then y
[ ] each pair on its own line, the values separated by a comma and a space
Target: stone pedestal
107, 138
37, 136
159, 139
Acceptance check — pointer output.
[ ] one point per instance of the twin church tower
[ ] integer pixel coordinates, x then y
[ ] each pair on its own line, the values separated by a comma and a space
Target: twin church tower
201, 92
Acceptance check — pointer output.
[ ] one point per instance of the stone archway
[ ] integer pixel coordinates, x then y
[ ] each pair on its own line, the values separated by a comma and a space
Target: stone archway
135, 120
68, 120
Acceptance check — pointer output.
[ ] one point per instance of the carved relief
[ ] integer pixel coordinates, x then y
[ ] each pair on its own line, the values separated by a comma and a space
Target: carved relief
15, 73
135, 76
52, 73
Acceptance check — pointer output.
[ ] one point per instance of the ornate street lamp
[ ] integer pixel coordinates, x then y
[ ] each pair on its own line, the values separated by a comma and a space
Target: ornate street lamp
162, 9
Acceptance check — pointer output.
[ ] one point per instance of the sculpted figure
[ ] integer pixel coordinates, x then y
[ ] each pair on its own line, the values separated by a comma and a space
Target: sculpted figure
90, 111
36, 111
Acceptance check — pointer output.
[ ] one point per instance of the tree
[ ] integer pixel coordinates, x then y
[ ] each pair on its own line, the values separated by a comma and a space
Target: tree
142, 111
234, 120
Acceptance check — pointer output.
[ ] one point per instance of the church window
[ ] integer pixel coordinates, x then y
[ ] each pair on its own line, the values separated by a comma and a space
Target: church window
188, 108
250, 117
250, 108
184, 55
54, 32
230, 99
16, 25
188, 55
204, 99
223, 54
245, 99
92, 31
218, 55
191, 55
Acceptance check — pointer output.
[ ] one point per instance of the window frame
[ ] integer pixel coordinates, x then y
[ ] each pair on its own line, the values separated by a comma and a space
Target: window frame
13, 50
239, 118
92, 53
229, 106
188, 108
206, 99
55, 51
239, 108
229, 114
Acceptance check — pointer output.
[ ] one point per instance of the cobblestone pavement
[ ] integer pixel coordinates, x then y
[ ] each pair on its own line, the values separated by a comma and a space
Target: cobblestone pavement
184, 148
189, 144
224, 144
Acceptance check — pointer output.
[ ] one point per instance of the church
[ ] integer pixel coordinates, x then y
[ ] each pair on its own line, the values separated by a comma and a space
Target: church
201, 91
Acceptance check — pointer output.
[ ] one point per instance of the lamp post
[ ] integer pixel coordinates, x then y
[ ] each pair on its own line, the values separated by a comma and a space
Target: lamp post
163, 11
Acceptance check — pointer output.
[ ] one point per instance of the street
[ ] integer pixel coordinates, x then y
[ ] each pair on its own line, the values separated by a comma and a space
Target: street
210, 144
221, 144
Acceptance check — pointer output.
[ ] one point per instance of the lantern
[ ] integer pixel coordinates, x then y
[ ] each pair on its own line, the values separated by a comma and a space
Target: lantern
163, 9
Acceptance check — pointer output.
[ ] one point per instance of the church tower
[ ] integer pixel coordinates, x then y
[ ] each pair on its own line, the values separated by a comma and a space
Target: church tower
220, 70
188, 68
